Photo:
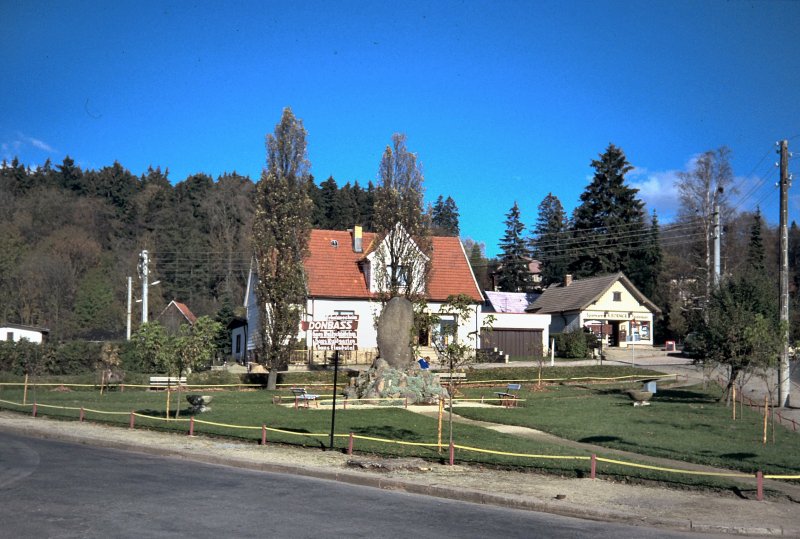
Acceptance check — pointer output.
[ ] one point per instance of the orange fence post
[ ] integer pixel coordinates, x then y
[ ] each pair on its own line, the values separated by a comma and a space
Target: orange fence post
263, 435
133, 420
594, 466
759, 485
350, 445
34, 409
83, 414
191, 426
452, 453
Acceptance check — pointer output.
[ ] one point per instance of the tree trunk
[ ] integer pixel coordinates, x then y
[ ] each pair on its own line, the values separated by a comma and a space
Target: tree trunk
272, 379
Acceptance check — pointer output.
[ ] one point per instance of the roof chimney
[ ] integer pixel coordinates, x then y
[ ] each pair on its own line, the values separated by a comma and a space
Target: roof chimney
358, 246
567, 279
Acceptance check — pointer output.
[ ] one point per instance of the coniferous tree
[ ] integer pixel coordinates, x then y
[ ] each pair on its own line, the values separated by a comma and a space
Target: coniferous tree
550, 243
608, 226
755, 249
513, 273
329, 201
444, 217
347, 214
281, 231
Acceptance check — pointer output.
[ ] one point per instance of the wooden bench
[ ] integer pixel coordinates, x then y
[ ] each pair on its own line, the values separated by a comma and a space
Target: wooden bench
163, 382
302, 396
456, 377
507, 398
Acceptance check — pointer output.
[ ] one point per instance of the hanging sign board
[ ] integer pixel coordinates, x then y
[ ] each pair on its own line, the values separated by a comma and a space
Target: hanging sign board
335, 332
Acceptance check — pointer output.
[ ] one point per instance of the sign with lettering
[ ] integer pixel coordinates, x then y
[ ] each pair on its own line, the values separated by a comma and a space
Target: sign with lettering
336, 332
609, 315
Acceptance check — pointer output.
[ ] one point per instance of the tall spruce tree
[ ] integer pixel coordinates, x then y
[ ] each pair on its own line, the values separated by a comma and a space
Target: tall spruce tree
281, 231
550, 241
608, 226
444, 217
513, 275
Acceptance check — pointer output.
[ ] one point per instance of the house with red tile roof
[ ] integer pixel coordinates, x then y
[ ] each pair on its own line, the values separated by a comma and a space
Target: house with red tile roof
343, 281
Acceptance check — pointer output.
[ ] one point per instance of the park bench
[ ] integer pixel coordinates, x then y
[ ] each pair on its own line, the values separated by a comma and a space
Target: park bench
301, 396
507, 398
456, 377
163, 382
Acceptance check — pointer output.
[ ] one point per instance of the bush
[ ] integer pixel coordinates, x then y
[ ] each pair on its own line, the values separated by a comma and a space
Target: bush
577, 344
214, 378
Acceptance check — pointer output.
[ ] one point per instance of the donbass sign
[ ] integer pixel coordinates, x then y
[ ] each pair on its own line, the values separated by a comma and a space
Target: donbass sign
336, 332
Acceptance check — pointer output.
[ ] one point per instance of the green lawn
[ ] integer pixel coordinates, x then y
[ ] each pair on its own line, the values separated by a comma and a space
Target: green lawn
684, 424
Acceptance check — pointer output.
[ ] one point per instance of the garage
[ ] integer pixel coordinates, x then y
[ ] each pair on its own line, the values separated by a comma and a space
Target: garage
517, 343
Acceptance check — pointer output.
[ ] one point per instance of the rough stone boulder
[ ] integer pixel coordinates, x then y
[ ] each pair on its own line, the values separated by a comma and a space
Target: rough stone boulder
394, 333
382, 381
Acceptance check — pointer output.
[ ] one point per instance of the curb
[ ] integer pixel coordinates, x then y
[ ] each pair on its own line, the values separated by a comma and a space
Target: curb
527, 503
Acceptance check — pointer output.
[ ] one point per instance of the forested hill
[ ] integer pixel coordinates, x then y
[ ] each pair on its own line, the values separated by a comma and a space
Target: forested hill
69, 238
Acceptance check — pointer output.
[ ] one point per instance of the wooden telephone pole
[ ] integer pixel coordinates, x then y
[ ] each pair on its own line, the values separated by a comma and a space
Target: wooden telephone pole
784, 372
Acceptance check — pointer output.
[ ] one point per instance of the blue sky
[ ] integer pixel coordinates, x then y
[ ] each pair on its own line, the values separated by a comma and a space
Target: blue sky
502, 101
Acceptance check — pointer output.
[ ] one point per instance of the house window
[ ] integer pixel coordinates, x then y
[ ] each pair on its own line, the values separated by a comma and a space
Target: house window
238, 344
617, 296
399, 273
336, 312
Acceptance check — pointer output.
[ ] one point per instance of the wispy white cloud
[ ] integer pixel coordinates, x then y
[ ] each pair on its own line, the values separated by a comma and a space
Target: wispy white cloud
20, 143
36, 143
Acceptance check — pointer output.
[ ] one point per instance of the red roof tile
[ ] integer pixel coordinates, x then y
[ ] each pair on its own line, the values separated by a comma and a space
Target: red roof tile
334, 270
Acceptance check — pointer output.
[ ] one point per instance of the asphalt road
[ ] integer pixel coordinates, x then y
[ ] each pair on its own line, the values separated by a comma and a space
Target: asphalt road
56, 489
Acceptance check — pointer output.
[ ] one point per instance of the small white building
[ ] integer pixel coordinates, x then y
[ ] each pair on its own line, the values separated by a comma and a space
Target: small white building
515, 332
609, 305
18, 332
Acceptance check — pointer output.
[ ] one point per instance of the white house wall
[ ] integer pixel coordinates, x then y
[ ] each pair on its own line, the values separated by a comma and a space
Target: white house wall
368, 311
18, 334
624, 311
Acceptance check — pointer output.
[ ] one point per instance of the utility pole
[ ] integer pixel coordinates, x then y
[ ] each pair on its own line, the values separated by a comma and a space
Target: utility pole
784, 371
130, 301
143, 273
717, 245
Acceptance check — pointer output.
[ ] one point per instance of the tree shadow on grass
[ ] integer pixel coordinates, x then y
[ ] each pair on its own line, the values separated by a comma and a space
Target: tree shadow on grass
186, 413
600, 439
387, 432
739, 456
685, 396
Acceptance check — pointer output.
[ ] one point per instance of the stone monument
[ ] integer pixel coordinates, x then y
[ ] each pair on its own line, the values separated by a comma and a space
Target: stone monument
395, 374
394, 333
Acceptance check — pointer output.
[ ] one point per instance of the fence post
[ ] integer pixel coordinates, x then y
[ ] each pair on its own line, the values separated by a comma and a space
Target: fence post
350, 445
191, 426
759, 485
406, 403
452, 453
122, 388
133, 420
34, 409
83, 414
263, 434
594, 466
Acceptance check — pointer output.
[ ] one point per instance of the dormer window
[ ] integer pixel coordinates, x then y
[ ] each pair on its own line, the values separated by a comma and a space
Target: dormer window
399, 274
617, 296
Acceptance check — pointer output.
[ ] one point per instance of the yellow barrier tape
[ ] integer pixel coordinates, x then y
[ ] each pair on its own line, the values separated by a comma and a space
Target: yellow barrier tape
16, 403
168, 420
675, 470
204, 422
398, 442
493, 452
782, 477
40, 405
104, 412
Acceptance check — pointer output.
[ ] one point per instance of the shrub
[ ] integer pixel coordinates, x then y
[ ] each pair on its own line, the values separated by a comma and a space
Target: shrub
577, 344
213, 378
